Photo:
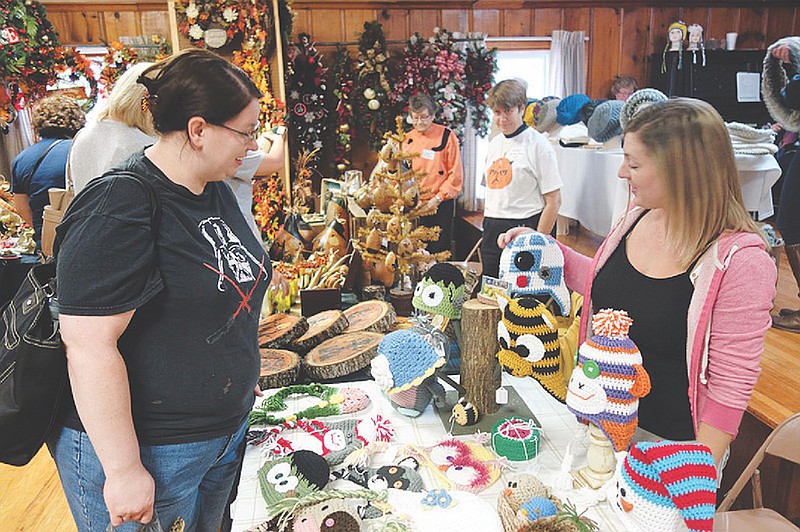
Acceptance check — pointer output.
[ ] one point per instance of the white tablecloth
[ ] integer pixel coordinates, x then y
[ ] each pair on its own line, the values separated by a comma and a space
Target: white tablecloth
594, 195
558, 425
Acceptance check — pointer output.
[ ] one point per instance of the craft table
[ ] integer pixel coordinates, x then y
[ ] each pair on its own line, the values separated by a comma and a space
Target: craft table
595, 196
559, 427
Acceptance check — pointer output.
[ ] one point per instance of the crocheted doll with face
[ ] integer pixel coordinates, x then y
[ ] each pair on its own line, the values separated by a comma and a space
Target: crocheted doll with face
534, 266
666, 486
404, 368
606, 385
529, 344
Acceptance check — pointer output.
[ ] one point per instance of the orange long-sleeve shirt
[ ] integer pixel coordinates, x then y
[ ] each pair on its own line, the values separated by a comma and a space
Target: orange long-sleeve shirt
440, 161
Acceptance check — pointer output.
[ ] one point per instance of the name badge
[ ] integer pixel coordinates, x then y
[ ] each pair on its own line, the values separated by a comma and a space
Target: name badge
428, 154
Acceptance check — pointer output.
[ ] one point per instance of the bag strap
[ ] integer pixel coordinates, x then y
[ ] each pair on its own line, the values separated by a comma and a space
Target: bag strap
26, 180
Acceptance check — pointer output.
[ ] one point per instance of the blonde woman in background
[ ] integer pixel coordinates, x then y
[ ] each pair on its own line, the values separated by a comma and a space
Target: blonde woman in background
122, 128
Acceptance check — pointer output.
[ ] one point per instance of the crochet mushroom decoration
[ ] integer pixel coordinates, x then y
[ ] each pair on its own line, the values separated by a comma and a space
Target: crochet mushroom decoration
609, 379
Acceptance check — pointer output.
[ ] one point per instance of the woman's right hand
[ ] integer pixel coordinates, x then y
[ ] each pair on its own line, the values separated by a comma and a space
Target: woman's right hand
130, 496
504, 238
782, 53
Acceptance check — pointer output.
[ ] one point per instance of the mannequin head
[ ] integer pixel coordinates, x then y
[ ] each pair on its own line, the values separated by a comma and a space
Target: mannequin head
695, 36
676, 35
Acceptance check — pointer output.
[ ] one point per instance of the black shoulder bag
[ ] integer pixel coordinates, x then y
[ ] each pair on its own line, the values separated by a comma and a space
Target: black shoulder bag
33, 363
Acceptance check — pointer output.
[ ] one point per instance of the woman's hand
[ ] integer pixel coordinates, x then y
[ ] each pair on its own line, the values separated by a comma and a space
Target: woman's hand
130, 495
782, 53
504, 238
279, 284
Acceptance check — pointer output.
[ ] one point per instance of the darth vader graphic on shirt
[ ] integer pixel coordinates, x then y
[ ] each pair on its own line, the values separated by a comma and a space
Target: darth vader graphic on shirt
235, 263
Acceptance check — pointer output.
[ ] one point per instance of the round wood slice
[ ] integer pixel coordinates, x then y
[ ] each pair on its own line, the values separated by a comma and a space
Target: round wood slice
278, 330
342, 355
322, 326
371, 316
279, 368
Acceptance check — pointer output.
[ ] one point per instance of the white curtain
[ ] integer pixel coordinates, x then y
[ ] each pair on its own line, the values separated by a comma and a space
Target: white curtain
19, 137
567, 64
468, 200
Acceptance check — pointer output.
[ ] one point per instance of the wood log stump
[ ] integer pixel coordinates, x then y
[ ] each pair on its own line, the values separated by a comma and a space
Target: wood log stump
322, 326
480, 371
341, 355
370, 316
278, 330
279, 368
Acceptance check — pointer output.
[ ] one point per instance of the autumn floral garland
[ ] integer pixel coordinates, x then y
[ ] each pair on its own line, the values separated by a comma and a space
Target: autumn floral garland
119, 57
73, 66
372, 107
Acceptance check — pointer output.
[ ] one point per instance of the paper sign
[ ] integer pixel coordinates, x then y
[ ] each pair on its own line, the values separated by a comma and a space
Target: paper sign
748, 87
490, 287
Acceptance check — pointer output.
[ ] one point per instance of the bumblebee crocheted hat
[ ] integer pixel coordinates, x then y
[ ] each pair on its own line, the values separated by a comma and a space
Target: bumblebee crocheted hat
666, 486
604, 123
609, 379
569, 107
639, 100
441, 291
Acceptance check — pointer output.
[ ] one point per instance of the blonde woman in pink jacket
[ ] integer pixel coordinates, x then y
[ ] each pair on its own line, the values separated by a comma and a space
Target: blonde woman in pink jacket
690, 267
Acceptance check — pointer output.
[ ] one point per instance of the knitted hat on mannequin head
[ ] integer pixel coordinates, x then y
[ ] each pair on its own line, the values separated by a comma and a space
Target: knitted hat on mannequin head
609, 379
639, 100
441, 291
666, 486
546, 119
604, 122
569, 107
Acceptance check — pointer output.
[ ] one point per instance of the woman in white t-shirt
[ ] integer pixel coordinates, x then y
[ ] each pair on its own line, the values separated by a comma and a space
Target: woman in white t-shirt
523, 186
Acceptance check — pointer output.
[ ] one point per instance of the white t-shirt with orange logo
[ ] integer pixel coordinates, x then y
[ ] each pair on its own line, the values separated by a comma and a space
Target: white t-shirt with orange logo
519, 170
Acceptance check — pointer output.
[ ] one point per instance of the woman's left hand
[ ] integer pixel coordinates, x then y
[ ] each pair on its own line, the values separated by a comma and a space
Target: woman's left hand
279, 283
504, 238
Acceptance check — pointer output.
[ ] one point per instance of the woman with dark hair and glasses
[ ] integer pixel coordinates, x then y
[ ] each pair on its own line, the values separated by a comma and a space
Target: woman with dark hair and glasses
159, 313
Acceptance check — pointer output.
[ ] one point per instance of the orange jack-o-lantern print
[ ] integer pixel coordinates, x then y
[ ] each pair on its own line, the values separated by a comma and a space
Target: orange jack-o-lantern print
499, 174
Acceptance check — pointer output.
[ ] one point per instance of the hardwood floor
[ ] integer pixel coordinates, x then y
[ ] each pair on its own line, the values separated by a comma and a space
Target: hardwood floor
31, 498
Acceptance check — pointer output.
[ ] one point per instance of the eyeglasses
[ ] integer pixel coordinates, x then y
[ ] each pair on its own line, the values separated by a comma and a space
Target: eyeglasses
421, 118
249, 135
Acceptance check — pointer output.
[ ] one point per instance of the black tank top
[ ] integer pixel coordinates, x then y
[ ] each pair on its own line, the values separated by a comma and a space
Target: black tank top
659, 308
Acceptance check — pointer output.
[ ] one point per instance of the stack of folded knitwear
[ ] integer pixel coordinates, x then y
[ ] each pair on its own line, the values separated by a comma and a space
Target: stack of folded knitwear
751, 141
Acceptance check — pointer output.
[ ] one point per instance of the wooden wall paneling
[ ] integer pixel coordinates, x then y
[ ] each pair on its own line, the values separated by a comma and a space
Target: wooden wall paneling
696, 15
455, 20
545, 20
723, 20
395, 24
424, 20
155, 23
577, 19
60, 23
604, 47
634, 56
752, 29
325, 26
780, 23
121, 23
517, 22
487, 21
84, 27
354, 20
302, 23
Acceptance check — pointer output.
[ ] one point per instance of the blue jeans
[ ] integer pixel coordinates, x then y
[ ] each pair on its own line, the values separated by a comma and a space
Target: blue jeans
193, 480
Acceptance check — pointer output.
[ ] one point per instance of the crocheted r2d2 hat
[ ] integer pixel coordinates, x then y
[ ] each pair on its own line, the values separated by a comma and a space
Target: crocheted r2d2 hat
604, 122
569, 108
665, 486
609, 379
639, 100
441, 291
534, 265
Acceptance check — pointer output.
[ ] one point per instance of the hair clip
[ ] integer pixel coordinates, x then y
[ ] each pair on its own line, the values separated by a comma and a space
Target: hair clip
148, 100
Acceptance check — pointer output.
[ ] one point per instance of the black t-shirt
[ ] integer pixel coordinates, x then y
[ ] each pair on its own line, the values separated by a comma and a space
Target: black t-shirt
659, 308
191, 348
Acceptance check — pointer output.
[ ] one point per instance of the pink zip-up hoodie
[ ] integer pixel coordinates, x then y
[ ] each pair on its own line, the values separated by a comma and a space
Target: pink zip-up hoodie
734, 285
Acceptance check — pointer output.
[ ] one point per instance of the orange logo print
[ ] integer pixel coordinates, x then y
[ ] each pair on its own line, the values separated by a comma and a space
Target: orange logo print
499, 174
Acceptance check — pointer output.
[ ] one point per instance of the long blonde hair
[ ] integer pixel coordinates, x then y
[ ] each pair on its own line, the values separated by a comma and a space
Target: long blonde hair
125, 101
691, 146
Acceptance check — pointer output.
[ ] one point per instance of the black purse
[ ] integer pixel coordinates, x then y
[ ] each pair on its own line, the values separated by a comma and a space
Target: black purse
33, 362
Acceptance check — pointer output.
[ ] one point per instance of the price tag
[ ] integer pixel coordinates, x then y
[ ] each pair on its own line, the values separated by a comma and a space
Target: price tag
501, 396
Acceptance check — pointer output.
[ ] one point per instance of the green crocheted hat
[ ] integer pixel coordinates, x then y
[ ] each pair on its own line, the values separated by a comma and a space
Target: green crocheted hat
441, 291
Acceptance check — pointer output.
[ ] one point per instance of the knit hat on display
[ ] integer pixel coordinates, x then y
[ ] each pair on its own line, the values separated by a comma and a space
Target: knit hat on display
569, 108
441, 291
297, 474
609, 379
534, 265
665, 486
586, 111
546, 119
604, 122
531, 110
639, 100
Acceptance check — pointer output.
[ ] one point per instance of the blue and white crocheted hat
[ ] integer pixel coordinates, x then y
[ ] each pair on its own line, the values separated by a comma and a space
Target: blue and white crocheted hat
405, 359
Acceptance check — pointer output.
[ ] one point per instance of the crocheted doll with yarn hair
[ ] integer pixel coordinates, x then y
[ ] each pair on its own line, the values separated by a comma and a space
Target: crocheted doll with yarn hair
605, 387
534, 266
529, 344
666, 486
404, 369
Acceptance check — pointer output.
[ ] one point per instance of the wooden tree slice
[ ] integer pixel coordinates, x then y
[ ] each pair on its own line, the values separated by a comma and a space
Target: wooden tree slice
371, 316
279, 368
278, 330
321, 326
341, 355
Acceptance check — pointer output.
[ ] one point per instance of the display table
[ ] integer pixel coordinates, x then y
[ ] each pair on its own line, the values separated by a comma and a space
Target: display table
595, 196
558, 424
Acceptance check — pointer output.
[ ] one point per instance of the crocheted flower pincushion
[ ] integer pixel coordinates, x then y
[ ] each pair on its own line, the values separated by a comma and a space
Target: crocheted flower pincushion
441, 291
534, 265
528, 337
404, 368
665, 486
609, 379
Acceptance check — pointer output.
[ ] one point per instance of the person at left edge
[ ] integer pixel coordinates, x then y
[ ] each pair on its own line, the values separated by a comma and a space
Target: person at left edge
160, 324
